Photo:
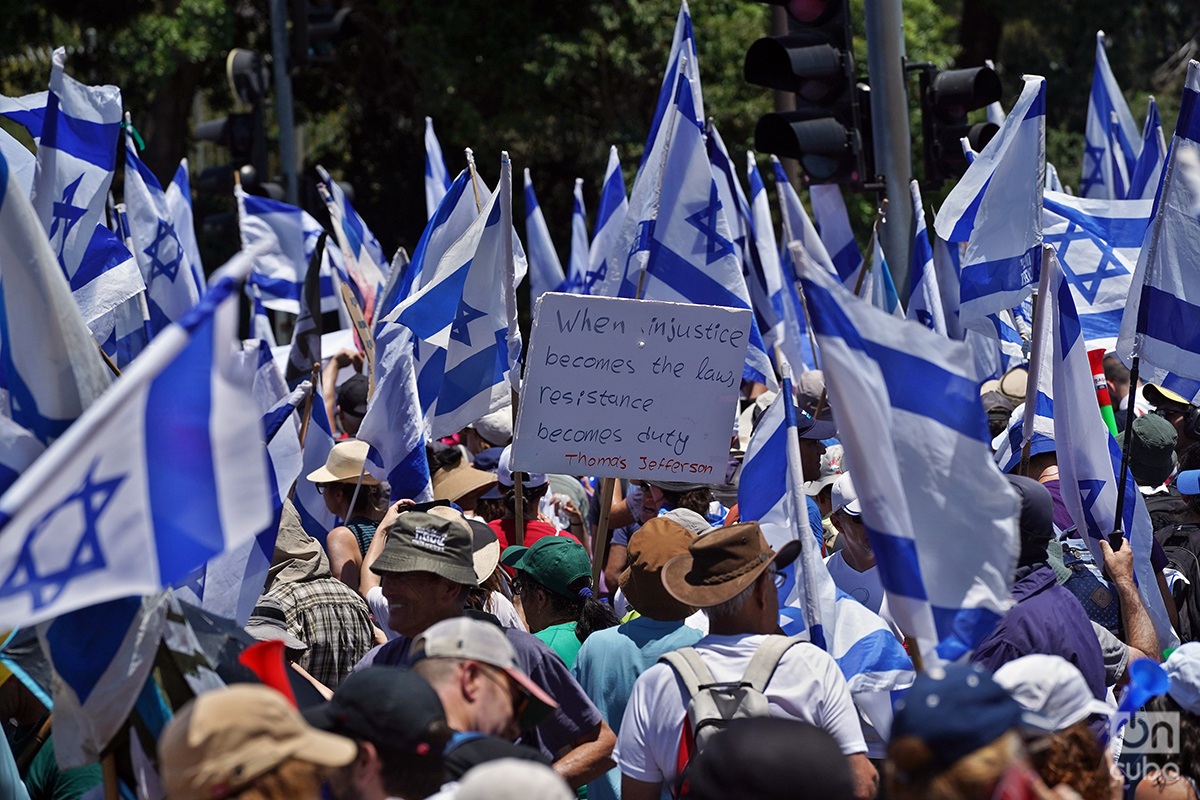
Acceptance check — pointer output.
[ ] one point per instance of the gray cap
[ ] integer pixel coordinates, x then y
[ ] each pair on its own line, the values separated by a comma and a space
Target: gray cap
421, 542
268, 623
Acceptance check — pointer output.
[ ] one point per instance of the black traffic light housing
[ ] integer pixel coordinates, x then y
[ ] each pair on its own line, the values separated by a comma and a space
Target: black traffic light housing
317, 25
241, 133
946, 98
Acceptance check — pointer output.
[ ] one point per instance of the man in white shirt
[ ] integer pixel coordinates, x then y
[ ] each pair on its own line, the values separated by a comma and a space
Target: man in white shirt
853, 566
730, 573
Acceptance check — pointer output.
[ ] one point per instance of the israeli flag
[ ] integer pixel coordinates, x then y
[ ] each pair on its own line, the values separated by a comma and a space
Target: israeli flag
466, 320
75, 162
1089, 458
28, 111
1162, 316
810, 604
1097, 243
682, 59
997, 210
924, 298
610, 216
22, 164
160, 474
392, 425
946, 260
170, 286
317, 520
18, 449
179, 201
995, 111
260, 323
1147, 170
1110, 146
907, 406
577, 267
877, 286
682, 251
833, 224
736, 210
545, 270
362, 254
289, 235
797, 227
437, 177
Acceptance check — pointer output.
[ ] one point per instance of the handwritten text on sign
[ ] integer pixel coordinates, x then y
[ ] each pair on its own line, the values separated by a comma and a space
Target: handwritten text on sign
630, 388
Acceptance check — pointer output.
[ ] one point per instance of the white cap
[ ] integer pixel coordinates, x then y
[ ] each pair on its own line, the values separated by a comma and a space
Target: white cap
831, 468
496, 428
1053, 692
845, 498
1183, 669
513, 779
504, 472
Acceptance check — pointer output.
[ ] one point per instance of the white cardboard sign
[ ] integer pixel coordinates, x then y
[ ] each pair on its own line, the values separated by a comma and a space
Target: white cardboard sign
630, 388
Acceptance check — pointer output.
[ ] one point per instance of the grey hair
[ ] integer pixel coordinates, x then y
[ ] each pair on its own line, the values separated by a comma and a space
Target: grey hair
733, 605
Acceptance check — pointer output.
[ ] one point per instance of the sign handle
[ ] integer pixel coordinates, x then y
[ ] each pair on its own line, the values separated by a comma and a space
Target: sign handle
600, 543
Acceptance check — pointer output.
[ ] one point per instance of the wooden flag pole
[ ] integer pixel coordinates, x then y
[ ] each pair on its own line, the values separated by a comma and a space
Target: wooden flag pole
108, 361
474, 179
600, 543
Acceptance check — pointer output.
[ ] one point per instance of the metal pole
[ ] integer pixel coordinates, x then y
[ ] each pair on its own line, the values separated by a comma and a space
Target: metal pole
889, 127
784, 101
283, 102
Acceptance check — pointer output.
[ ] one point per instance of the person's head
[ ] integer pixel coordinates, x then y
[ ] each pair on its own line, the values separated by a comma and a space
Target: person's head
668, 495
820, 489
462, 485
953, 736
352, 397
246, 741
1036, 520
1187, 481
846, 516
513, 779
730, 572
649, 549
427, 569
337, 480
554, 577
533, 486
1175, 409
811, 432
474, 670
493, 430
1116, 375
398, 722
1152, 443
268, 622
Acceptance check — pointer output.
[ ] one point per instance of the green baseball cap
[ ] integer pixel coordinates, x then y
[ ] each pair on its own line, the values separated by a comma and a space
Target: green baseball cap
421, 542
556, 562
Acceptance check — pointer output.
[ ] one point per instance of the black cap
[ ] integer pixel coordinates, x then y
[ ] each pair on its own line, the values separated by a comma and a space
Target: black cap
353, 394
480, 749
390, 707
809, 428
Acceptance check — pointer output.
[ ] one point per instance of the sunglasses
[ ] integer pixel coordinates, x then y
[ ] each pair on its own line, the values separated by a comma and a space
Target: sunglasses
516, 693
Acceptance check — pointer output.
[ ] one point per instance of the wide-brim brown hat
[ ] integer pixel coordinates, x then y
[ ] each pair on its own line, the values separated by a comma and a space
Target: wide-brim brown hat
650, 548
721, 563
455, 484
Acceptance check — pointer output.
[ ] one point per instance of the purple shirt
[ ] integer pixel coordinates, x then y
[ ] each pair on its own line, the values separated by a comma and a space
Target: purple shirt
1062, 517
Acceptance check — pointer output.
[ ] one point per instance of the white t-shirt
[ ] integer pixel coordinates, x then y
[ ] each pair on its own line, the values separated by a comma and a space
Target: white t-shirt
864, 587
807, 685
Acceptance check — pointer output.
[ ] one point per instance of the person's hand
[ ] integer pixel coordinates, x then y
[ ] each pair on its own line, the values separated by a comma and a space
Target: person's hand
1119, 563
566, 506
393, 513
348, 358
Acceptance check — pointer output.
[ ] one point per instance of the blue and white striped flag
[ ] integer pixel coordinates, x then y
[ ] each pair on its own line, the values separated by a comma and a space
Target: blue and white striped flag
797, 227
437, 177
393, 425
833, 223
1162, 317
545, 270
1089, 458
1111, 144
997, 210
681, 250
317, 520
610, 216
995, 111
362, 253
28, 111
1097, 243
170, 286
737, 214
682, 59
577, 265
163, 472
466, 320
260, 323
925, 296
18, 449
907, 406
811, 606
22, 164
1147, 171
179, 201
877, 286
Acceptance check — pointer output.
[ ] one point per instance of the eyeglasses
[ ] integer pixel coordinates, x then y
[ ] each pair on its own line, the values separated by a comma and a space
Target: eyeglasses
516, 694
780, 578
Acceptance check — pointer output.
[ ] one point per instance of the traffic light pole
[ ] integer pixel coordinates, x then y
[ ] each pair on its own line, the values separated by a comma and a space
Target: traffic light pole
283, 102
892, 138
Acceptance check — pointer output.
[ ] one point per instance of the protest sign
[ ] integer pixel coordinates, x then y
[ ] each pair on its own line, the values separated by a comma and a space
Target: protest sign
630, 388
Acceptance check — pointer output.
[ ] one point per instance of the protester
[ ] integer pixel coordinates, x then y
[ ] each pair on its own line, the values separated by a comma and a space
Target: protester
533, 488
997, 405
491, 430
458, 482
318, 609
511, 779
660, 497
610, 661
554, 579
346, 404
1181, 542
618, 553
398, 722
1152, 461
248, 742
853, 567
1176, 776
820, 491
1182, 415
730, 572
1116, 377
344, 480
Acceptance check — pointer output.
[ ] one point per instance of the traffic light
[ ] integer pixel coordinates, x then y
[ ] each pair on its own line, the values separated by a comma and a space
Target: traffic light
946, 98
829, 132
316, 27
241, 133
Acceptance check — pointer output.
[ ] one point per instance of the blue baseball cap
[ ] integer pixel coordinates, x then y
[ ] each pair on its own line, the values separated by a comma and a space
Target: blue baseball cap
1188, 482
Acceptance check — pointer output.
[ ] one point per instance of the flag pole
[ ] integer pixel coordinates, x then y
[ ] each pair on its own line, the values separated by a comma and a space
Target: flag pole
308, 401
1035, 359
108, 361
1117, 531
474, 179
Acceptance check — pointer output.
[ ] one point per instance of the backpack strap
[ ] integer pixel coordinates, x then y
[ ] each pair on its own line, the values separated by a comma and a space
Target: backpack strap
766, 659
691, 669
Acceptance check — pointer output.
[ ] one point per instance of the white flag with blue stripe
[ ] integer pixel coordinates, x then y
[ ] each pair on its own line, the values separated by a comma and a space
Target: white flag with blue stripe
1097, 243
810, 604
1088, 456
18, 449
179, 201
877, 286
940, 516
997, 210
163, 472
577, 265
1147, 171
1111, 144
437, 177
362, 254
316, 519
925, 296
833, 224
1161, 324
995, 111
681, 60
392, 425
797, 227
466, 320
28, 111
545, 270
22, 164
610, 216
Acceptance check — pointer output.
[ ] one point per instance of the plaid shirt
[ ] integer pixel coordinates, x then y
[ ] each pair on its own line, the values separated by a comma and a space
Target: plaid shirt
332, 619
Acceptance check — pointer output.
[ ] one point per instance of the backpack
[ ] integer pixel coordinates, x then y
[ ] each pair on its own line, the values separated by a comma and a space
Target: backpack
712, 705
1181, 543
1095, 593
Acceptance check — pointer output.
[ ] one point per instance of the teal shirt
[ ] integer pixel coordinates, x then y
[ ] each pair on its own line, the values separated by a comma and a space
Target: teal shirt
562, 640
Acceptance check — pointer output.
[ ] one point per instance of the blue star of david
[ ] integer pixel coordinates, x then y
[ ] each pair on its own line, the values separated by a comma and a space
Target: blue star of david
1089, 493
93, 497
1088, 283
164, 234
67, 214
705, 221
460, 330
595, 276
1096, 176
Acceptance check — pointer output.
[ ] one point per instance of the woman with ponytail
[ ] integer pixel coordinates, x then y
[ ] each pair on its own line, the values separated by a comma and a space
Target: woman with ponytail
554, 582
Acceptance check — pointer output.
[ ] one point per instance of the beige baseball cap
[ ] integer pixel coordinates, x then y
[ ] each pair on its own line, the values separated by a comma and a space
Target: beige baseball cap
223, 740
